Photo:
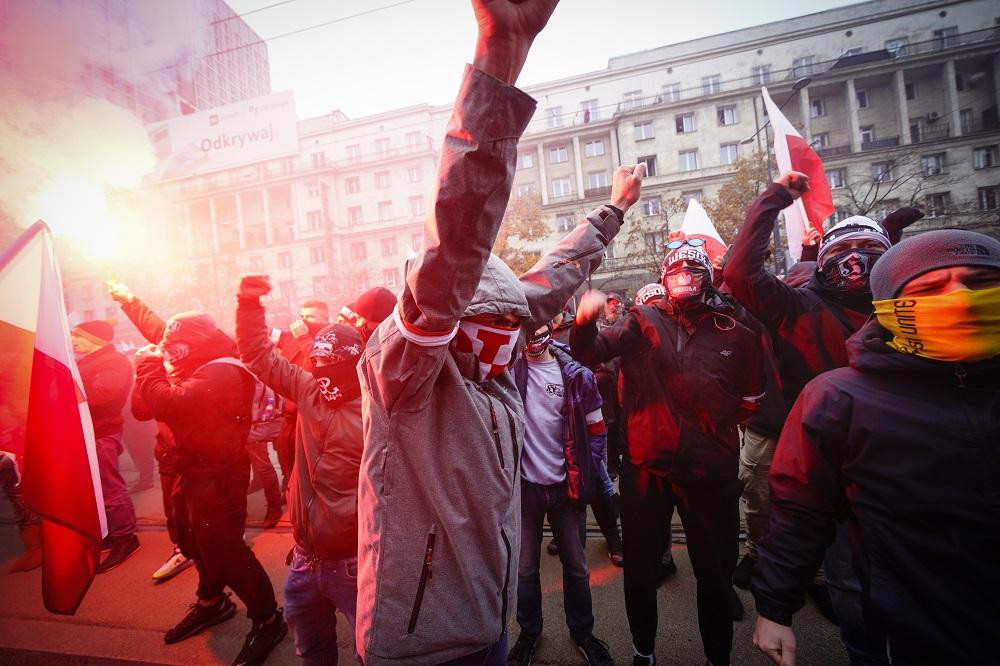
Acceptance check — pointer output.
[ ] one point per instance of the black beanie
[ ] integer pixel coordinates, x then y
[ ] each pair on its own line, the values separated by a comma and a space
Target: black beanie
929, 251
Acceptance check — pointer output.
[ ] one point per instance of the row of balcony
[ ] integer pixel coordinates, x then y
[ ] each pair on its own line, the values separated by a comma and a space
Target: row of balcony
939, 130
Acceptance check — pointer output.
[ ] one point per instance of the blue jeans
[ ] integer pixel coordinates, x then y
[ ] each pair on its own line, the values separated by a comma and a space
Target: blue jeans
317, 588
566, 522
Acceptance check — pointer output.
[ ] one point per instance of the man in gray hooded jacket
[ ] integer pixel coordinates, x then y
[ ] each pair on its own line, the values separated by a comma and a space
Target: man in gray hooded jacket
439, 484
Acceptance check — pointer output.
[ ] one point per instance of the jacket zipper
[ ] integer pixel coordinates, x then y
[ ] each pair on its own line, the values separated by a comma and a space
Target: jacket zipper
425, 575
579, 255
506, 581
496, 431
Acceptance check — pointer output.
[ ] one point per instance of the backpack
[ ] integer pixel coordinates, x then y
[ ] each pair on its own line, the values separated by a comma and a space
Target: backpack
266, 408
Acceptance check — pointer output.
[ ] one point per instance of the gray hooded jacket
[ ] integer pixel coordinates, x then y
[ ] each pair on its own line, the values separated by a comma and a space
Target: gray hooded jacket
439, 513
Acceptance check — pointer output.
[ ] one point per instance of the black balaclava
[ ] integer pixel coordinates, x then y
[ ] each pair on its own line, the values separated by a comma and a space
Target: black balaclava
341, 346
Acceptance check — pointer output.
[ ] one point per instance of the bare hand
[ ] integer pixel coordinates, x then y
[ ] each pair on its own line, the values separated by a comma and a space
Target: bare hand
255, 286
813, 237
626, 185
775, 640
506, 30
119, 292
149, 351
591, 307
795, 182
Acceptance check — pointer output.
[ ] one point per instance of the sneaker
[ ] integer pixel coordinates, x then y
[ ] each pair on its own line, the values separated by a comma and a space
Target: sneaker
523, 651
737, 606
741, 575
639, 660
595, 651
200, 618
552, 548
177, 563
141, 485
106, 543
121, 549
263, 637
615, 553
272, 517
821, 597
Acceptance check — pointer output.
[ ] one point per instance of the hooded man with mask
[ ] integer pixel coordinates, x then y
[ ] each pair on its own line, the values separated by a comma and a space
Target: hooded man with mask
207, 406
902, 446
439, 485
323, 492
691, 372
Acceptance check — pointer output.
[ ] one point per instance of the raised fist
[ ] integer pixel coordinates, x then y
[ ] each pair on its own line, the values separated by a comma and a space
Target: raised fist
795, 182
254, 286
591, 307
119, 292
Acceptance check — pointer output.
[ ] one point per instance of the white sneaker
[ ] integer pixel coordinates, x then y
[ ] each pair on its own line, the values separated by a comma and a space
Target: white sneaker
176, 564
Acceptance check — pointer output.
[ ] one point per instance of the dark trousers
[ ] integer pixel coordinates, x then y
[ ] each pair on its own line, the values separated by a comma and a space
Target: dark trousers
537, 501
263, 471
710, 513
494, 655
168, 479
210, 513
606, 514
117, 502
10, 480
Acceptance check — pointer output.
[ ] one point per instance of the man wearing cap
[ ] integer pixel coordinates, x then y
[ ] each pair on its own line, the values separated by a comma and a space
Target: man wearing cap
107, 379
691, 371
901, 446
371, 309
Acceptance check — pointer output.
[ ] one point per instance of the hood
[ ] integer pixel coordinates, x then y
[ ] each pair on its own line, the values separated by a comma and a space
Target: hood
498, 292
857, 301
800, 274
216, 346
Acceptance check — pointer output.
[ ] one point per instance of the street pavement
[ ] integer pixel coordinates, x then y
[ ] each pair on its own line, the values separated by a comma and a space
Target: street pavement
124, 616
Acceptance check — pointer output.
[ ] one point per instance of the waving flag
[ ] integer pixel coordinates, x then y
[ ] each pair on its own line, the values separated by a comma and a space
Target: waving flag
794, 154
44, 417
697, 224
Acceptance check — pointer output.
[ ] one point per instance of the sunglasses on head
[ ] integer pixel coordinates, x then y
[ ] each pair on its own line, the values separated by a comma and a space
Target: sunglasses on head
693, 242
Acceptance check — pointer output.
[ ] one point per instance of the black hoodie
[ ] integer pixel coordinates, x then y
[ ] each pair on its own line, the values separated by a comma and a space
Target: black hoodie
907, 450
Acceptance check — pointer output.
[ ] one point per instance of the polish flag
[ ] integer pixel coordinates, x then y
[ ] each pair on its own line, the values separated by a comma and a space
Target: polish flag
44, 417
794, 154
697, 224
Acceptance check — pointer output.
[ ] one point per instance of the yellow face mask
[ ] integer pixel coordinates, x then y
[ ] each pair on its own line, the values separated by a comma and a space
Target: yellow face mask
963, 325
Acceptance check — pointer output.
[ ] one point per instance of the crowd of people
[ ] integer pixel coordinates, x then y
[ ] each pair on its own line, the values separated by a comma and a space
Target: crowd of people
851, 407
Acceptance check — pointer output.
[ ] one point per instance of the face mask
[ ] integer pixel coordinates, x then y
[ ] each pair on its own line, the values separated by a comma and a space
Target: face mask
493, 347
849, 271
685, 283
537, 344
961, 326
174, 352
338, 383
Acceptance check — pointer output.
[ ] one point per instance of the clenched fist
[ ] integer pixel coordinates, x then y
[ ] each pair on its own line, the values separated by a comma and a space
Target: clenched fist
254, 286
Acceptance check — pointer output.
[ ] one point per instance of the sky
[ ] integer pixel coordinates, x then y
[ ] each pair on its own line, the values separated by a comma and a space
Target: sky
413, 53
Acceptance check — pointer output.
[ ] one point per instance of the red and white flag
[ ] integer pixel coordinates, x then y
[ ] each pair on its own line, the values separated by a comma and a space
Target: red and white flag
44, 417
697, 224
794, 154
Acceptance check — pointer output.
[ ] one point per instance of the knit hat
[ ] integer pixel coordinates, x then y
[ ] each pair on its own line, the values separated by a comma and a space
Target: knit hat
337, 343
650, 293
98, 332
375, 305
942, 248
694, 253
857, 227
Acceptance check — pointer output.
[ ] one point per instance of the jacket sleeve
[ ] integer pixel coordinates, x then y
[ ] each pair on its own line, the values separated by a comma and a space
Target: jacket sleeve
764, 295
262, 358
167, 402
149, 324
110, 385
597, 431
139, 409
625, 338
754, 379
557, 275
807, 497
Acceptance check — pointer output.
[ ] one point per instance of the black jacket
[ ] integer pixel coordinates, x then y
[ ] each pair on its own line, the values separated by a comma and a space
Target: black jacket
107, 379
808, 324
907, 450
683, 385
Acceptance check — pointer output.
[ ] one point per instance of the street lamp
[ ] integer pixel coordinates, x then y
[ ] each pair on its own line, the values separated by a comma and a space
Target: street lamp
797, 86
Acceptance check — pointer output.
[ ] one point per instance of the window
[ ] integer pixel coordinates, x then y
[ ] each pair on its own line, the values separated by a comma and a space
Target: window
312, 188
527, 161
413, 174
651, 206
817, 108
643, 130
727, 115
711, 85
882, 172
354, 215
354, 153
256, 263
965, 120
319, 285
287, 165
287, 289
946, 37
597, 179
524, 189
684, 123
821, 140
672, 92
314, 220
389, 247
317, 254
911, 90
284, 260
318, 160
688, 160
650, 162
760, 75
897, 47
988, 197
558, 155
381, 147
938, 204
360, 282
553, 117
862, 98
691, 194
417, 207
916, 129
631, 100
835, 177
381, 179
565, 222
961, 83
594, 148
729, 153
803, 66
352, 185
384, 211
932, 165
413, 141
590, 111
655, 240
359, 250
985, 157
562, 187
867, 134
390, 277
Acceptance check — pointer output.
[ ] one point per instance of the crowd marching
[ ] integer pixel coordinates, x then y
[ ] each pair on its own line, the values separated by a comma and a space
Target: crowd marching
851, 408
